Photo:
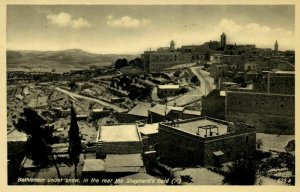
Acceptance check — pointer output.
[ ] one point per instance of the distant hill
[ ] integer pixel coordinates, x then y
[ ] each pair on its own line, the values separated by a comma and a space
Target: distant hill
67, 59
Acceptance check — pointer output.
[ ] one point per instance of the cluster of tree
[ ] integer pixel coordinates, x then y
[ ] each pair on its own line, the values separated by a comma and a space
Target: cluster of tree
177, 73
184, 90
128, 83
195, 80
40, 139
123, 82
137, 62
140, 94
121, 63
40, 136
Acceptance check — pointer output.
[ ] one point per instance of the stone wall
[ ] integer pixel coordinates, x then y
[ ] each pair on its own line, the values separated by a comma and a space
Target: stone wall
122, 147
178, 148
281, 83
128, 118
246, 147
270, 113
213, 106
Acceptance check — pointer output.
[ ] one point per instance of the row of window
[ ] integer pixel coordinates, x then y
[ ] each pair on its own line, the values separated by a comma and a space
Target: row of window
167, 92
282, 104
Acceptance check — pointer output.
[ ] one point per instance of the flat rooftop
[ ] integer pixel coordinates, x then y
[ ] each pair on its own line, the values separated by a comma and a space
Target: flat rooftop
285, 72
191, 112
140, 109
191, 127
16, 136
161, 109
149, 129
97, 110
168, 86
118, 133
94, 165
123, 163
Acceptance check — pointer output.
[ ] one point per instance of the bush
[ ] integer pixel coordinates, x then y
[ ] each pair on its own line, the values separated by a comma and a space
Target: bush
184, 90
290, 147
195, 80
242, 172
258, 155
177, 73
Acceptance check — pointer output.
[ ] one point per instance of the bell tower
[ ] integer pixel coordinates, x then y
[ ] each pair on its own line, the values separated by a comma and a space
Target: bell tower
276, 46
223, 41
172, 45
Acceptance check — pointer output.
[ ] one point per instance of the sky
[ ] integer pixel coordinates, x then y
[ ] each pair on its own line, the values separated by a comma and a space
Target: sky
132, 29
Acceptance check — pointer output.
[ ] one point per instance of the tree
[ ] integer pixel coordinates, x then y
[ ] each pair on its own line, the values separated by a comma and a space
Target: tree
177, 73
121, 63
137, 62
75, 147
73, 86
242, 172
184, 90
40, 137
195, 80
290, 147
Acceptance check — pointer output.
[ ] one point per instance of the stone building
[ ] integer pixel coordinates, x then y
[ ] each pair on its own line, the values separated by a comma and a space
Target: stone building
100, 113
281, 82
163, 58
152, 113
218, 70
159, 113
149, 133
248, 66
204, 141
119, 139
213, 105
168, 90
60, 112
269, 112
137, 113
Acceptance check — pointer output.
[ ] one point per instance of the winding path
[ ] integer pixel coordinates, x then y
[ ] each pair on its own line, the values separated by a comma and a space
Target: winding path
207, 82
75, 95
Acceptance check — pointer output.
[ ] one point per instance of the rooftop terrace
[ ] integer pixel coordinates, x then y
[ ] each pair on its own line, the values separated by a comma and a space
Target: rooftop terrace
202, 127
118, 133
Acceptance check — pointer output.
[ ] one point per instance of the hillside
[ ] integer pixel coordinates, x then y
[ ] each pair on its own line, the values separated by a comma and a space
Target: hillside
60, 60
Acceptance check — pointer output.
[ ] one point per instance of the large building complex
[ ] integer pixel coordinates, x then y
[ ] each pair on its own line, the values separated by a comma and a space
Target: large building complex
163, 58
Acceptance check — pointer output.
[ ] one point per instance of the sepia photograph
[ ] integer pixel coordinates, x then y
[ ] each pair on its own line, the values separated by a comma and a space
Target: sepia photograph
150, 94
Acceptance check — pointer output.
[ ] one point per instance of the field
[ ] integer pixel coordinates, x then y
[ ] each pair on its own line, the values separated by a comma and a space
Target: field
58, 61
274, 142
